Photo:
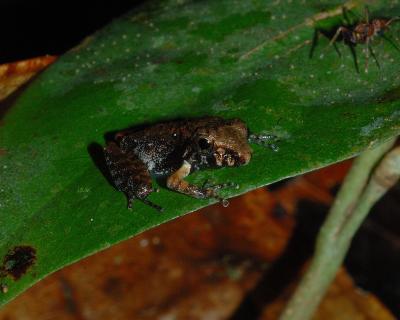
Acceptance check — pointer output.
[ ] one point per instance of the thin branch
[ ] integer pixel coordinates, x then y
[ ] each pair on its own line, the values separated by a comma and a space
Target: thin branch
359, 192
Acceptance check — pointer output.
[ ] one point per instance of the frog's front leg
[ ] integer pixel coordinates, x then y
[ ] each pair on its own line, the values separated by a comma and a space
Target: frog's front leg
176, 182
265, 140
129, 174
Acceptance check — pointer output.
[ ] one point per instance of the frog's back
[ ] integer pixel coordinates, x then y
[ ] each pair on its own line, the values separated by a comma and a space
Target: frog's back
162, 146
159, 146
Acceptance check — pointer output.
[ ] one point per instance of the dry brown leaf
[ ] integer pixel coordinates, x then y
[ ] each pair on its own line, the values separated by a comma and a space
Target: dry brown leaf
343, 301
14, 75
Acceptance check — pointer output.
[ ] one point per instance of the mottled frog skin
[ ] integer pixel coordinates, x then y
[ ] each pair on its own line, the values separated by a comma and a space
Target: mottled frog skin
173, 150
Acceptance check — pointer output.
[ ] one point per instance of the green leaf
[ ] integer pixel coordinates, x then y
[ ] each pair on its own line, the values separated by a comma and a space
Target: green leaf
173, 59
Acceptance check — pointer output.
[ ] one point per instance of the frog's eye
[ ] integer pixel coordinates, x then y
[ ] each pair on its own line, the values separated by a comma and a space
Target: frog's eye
204, 143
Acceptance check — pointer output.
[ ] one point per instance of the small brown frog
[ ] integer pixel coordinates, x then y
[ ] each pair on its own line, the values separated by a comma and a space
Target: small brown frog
175, 149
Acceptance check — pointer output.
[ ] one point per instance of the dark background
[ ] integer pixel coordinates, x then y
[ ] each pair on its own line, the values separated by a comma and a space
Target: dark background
36, 28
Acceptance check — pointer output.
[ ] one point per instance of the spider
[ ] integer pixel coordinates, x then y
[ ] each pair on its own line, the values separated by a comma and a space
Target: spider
363, 33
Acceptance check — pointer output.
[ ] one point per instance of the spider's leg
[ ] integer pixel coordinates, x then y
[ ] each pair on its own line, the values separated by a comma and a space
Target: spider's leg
314, 43
373, 55
346, 16
391, 20
346, 13
366, 10
337, 34
354, 54
390, 40
337, 49
367, 55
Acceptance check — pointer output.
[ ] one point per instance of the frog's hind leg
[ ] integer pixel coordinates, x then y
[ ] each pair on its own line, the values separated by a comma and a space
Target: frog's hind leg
129, 175
151, 204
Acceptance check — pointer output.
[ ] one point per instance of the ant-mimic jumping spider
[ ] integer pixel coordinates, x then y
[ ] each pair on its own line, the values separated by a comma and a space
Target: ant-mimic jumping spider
362, 32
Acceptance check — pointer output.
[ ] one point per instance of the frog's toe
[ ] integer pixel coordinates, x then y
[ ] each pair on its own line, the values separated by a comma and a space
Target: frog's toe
262, 137
225, 203
218, 186
130, 201
131, 198
273, 147
265, 140
153, 205
212, 190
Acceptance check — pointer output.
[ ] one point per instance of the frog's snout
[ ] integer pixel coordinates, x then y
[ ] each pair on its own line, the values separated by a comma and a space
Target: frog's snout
245, 158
